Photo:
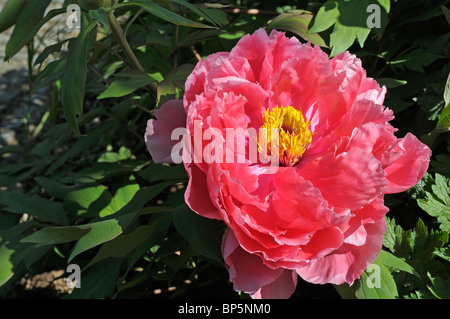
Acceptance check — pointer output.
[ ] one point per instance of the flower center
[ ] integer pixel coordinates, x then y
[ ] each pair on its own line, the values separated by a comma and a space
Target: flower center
293, 137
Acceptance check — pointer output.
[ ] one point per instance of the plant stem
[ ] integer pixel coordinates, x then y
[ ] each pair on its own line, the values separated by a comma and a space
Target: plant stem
120, 37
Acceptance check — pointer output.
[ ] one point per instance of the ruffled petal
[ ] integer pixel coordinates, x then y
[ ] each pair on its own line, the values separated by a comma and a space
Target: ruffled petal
158, 134
196, 195
350, 179
252, 47
281, 288
410, 167
250, 275
347, 263
195, 82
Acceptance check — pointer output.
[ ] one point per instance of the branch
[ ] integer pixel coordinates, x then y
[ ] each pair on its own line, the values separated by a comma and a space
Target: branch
120, 37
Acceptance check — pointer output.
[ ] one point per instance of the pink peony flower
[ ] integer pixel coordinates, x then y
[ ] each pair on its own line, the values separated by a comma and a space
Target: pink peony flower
320, 214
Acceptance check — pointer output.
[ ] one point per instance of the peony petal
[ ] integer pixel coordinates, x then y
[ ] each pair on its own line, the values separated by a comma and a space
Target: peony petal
356, 85
347, 263
358, 237
196, 195
250, 275
228, 66
362, 112
350, 179
252, 47
373, 138
300, 208
281, 288
195, 82
323, 242
254, 94
354, 74
370, 213
169, 117
410, 167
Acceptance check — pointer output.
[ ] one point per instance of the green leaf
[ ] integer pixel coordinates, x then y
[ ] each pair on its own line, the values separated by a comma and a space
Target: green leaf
343, 37
97, 282
88, 195
443, 123
125, 243
393, 235
377, 283
6, 266
440, 288
48, 50
127, 83
52, 73
349, 18
56, 235
442, 126
28, 24
446, 13
125, 193
35, 205
112, 157
391, 83
447, 91
142, 197
74, 78
204, 235
391, 261
437, 204
163, 172
82, 144
91, 198
93, 234
100, 171
297, 22
422, 241
415, 60
6, 149
195, 9
10, 13
386, 4
13, 232
101, 16
219, 17
325, 17
163, 13
443, 253
120, 199
101, 232
88, 235
167, 88
350, 26
15, 257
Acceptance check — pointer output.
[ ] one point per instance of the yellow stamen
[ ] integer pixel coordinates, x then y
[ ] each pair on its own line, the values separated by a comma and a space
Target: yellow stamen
293, 137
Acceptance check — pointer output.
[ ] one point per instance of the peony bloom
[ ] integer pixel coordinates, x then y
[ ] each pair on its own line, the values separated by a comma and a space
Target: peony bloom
320, 214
